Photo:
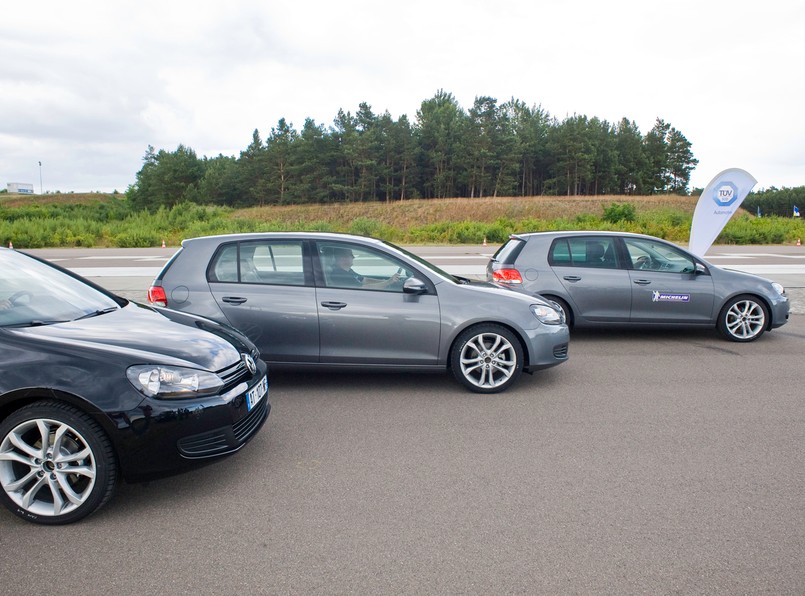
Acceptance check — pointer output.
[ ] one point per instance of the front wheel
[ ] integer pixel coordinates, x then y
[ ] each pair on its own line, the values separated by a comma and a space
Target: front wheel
487, 358
56, 463
743, 318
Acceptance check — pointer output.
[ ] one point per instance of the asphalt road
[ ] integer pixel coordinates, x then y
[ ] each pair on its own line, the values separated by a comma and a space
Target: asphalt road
650, 462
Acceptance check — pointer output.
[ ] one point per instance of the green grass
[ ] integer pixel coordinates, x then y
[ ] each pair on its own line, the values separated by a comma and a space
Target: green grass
98, 220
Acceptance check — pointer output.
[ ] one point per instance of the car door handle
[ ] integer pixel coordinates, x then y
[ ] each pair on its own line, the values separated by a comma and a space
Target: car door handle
233, 299
642, 282
334, 305
573, 278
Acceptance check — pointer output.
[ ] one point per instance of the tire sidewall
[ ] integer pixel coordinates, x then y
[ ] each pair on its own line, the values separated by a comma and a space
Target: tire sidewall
722, 318
472, 332
95, 438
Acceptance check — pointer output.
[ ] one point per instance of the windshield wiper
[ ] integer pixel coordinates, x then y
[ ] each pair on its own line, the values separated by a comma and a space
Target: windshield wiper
35, 323
95, 313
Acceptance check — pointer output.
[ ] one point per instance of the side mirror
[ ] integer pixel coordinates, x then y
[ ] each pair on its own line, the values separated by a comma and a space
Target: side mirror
412, 285
700, 269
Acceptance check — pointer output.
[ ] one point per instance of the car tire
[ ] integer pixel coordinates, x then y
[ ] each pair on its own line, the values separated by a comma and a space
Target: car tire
56, 463
487, 358
743, 318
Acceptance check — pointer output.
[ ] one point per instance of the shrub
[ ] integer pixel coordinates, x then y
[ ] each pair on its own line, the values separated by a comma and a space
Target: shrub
618, 212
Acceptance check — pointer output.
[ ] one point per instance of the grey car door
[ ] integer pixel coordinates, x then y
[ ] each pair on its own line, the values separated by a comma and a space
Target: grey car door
264, 291
589, 269
665, 285
364, 315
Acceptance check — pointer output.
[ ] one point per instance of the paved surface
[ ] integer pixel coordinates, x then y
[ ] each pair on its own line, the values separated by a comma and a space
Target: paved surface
661, 463
650, 463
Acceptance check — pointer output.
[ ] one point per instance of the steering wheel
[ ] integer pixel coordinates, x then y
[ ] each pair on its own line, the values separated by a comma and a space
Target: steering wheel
643, 262
15, 298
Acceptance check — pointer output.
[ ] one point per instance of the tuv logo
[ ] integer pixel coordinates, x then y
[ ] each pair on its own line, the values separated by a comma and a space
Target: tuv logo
725, 194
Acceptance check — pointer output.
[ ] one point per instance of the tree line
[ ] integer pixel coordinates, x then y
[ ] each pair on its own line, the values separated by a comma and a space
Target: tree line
491, 149
779, 202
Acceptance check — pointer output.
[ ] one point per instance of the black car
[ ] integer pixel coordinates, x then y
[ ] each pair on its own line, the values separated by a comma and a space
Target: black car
94, 388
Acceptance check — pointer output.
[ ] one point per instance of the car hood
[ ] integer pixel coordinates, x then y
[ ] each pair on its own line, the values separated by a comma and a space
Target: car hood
486, 287
735, 274
143, 334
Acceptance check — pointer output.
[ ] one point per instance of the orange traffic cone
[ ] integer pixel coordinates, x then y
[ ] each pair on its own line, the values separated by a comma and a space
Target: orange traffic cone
163, 244
798, 242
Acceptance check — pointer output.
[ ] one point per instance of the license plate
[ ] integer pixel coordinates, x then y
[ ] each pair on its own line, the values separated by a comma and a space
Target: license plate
256, 393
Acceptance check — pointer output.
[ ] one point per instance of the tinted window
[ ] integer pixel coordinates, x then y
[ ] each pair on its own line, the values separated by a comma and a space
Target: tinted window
598, 251
275, 262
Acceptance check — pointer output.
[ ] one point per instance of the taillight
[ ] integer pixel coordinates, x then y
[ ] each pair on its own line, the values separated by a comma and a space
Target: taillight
156, 296
510, 277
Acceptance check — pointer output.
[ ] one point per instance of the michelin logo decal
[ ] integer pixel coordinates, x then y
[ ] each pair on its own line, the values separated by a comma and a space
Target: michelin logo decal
669, 297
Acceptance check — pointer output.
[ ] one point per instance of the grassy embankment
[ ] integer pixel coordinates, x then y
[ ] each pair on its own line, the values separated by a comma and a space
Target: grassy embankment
106, 220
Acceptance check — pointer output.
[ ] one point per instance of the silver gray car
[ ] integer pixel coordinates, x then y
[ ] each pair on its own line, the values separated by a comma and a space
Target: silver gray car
349, 301
612, 278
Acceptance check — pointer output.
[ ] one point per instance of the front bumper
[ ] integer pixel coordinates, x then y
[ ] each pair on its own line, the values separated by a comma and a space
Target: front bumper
780, 311
547, 346
164, 437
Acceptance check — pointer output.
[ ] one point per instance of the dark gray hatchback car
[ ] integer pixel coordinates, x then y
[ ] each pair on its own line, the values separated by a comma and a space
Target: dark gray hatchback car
349, 301
611, 278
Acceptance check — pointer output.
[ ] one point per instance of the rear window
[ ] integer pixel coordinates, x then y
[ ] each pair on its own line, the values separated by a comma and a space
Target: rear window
509, 252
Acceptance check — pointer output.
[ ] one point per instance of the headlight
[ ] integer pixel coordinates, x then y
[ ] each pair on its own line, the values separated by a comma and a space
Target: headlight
546, 314
173, 382
778, 288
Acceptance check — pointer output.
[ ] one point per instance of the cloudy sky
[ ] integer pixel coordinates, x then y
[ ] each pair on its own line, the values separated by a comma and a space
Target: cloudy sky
87, 86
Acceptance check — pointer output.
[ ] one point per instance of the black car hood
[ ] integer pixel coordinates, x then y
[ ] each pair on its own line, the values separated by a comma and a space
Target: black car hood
143, 334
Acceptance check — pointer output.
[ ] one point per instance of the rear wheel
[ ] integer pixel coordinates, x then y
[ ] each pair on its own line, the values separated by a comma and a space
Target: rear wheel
487, 358
743, 318
56, 463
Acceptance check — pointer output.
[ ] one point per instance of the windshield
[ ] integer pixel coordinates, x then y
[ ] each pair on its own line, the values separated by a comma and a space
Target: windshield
426, 264
33, 293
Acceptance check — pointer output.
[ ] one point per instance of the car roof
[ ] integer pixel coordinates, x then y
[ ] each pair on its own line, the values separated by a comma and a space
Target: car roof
563, 233
284, 235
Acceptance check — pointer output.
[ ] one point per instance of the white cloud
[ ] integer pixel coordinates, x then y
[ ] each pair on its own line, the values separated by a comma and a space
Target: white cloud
89, 85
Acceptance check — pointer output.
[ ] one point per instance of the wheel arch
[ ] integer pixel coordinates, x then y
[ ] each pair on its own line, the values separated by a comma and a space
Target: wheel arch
754, 296
564, 303
19, 398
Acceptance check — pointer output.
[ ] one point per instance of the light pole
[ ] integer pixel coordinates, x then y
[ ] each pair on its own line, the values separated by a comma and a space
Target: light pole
40, 177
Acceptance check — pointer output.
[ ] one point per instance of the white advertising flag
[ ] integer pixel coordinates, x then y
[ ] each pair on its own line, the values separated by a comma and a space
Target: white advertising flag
719, 201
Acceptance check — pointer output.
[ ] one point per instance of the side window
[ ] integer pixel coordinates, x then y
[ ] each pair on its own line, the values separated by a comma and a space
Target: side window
655, 256
598, 251
273, 262
353, 266
224, 266
560, 253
